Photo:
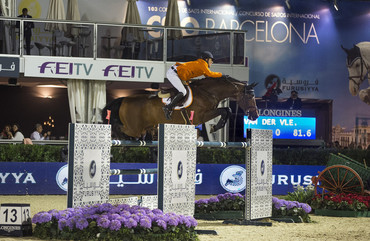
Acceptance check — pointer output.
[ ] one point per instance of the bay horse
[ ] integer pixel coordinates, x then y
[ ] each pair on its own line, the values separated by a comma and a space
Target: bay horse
358, 65
135, 115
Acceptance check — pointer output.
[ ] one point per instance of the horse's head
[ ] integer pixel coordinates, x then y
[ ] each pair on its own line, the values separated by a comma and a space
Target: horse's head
228, 87
248, 103
244, 95
356, 69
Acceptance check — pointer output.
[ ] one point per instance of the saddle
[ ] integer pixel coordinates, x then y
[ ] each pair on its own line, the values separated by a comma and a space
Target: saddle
166, 94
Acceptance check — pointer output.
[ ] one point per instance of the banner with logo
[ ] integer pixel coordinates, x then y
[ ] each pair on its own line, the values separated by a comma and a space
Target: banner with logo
290, 48
36, 178
74, 68
9, 67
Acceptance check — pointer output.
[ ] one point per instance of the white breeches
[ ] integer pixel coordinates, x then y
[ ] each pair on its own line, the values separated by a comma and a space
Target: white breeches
175, 80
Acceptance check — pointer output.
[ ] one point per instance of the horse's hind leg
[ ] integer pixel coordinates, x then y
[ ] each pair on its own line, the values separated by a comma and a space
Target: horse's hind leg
365, 95
225, 115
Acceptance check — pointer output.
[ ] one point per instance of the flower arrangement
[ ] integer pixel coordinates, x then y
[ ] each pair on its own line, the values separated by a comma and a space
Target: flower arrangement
235, 202
222, 202
285, 208
342, 201
113, 222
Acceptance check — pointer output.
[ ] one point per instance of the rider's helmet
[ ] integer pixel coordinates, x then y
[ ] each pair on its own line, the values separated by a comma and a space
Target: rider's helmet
206, 55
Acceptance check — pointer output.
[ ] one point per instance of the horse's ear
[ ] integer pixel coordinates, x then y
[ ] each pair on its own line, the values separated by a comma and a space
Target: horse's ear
254, 84
345, 50
251, 86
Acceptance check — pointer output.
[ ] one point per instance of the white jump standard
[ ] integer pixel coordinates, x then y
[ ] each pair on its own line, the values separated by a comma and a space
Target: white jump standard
89, 168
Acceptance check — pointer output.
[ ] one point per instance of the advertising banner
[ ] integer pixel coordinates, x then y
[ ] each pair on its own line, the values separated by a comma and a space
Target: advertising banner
75, 68
36, 178
9, 67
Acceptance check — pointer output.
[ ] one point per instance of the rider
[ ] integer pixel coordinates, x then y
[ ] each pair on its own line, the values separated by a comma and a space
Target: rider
182, 73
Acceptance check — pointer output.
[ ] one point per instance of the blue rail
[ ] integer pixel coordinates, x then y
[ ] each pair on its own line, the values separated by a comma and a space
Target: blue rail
199, 144
133, 171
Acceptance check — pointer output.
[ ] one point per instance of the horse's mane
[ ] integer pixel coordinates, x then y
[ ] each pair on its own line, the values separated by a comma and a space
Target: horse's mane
208, 81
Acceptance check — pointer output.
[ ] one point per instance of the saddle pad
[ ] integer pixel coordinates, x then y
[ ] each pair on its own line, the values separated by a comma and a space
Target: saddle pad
185, 104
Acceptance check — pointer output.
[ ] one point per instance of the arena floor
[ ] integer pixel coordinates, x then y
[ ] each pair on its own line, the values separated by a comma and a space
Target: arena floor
322, 228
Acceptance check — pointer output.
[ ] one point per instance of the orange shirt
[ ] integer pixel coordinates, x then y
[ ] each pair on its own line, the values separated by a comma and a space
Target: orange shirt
192, 69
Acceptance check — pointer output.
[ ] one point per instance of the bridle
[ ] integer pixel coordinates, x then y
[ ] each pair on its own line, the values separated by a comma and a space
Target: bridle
360, 77
248, 90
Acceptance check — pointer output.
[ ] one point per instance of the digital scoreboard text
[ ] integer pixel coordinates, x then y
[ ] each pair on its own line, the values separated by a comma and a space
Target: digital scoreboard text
284, 127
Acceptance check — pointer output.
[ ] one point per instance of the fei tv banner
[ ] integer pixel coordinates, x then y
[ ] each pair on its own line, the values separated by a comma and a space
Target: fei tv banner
36, 178
78, 68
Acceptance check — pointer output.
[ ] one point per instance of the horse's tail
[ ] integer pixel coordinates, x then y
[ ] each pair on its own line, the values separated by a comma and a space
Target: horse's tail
114, 120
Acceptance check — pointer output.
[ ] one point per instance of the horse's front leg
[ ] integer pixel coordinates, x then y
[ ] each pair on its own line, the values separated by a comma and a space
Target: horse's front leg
225, 114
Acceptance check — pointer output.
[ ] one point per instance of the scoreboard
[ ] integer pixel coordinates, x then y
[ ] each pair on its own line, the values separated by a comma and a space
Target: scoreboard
284, 127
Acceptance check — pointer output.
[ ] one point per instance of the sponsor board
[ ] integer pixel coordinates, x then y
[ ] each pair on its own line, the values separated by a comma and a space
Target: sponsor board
76, 68
37, 178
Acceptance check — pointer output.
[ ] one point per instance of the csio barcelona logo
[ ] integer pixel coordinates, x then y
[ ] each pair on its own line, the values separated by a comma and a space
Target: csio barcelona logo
62, 177
180, 169
262, 167
232, 179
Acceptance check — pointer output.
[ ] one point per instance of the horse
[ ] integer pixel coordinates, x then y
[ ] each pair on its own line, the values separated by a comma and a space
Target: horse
358, 64
137, 114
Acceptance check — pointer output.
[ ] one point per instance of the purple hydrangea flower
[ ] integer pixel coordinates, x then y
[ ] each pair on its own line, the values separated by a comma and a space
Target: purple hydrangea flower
291, 205
130, 223
105, 207
103, 222
306, 208
70, 223
125, 214
157, 211
151, 215
62, 223
64, 214
239, 195
173, 221
202, 201
161, 223
135, 217
221, 196
160, 217
124, 207
193, 221
279, 204
121, 219
114, 216
41, 217
187, 223
115, 225
145, 222
82, 223
213, 200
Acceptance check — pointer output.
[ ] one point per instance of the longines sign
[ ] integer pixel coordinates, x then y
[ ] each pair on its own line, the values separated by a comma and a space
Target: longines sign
68, 68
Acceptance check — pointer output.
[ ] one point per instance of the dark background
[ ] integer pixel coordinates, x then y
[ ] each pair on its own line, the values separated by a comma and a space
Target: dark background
28, 106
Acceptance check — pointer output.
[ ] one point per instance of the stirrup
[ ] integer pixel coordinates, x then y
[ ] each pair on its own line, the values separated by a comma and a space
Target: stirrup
167, 112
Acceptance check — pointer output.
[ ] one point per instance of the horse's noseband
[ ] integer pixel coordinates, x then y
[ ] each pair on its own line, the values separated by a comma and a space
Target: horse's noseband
360, 77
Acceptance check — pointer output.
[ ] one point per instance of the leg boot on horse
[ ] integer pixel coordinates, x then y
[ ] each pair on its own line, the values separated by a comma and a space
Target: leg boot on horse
169, 108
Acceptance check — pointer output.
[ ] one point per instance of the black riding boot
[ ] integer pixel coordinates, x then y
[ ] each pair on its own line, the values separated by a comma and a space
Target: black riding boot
169, 108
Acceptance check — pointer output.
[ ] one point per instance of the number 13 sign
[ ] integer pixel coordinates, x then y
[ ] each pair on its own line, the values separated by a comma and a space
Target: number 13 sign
15, 219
